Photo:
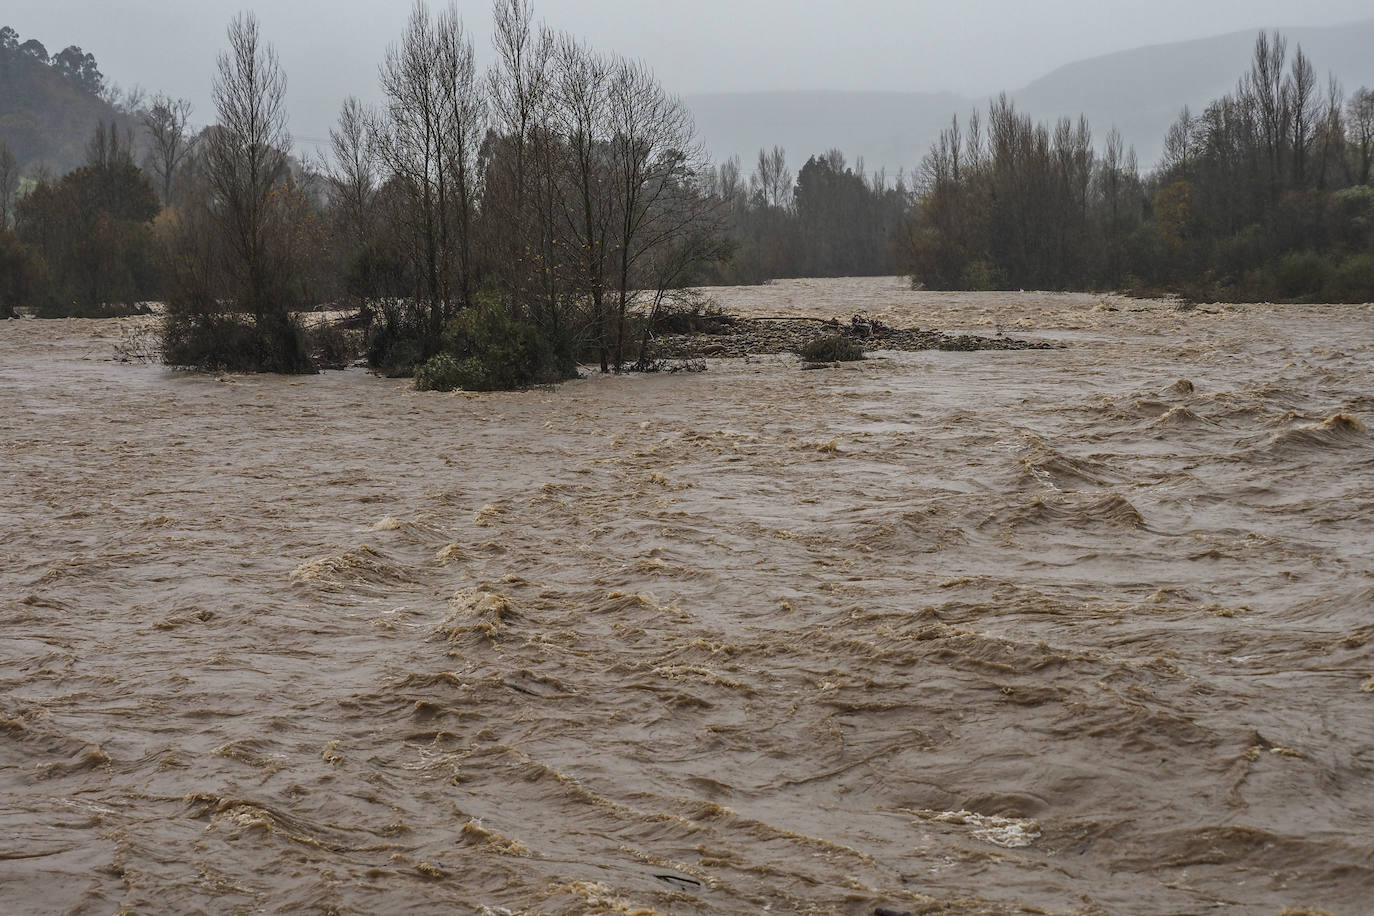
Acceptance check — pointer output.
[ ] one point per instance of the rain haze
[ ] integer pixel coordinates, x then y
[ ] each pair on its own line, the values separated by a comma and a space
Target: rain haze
331, 49
700, 459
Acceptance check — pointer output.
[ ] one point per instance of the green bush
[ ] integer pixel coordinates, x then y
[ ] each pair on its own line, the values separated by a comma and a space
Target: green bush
1300, 275
832, 348
440, 373
980, 275
485, 349
1352, 281
1352, 215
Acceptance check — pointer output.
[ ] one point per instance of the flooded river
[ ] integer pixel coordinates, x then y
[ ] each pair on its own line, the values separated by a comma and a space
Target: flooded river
1080, 630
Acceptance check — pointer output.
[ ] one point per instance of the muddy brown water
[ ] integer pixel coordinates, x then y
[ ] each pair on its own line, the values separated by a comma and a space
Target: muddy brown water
1074, 630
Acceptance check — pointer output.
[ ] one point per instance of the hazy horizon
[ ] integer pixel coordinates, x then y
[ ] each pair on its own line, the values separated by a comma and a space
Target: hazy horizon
330, 51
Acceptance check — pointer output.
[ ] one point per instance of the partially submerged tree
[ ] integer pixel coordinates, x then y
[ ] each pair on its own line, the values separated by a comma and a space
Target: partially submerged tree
426, 138
665, 225
564, 188
242, 318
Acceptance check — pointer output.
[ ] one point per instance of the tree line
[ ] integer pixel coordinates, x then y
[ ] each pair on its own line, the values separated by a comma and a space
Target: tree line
494, 229
833, 221
547, 209
72, 63
1264, 195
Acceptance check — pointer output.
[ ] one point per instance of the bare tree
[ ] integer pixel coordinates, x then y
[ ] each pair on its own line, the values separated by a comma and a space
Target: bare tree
518, 84
353, 170
104, 149
581, 115
1178, 142
1111, 177
772, 180
409, 141
729, 183
167, 121
126, 101
517, 89
1330, 132
1301, 91
247, 168
9, 183
1263, 88
463, 125
654, 160
1360, 131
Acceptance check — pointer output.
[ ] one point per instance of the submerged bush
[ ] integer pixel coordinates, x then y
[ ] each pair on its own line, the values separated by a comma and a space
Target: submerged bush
695, 317
439, 373
485, 349
331, 346
832, 348
396, 340
222, 342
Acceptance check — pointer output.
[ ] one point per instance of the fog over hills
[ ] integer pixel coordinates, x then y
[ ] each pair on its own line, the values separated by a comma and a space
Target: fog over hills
1141, 91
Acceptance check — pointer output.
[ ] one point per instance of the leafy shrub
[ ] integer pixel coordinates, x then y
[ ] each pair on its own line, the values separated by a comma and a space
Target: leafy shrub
832, 348
1300, 275
440, 373
1352, 215
1353, 280
980, 275
485, 349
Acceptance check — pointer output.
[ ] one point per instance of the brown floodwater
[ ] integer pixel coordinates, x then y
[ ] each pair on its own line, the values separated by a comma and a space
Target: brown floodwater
1081, 630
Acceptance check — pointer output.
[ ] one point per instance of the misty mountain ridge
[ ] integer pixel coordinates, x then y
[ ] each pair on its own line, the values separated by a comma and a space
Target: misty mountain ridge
1140, 91
47, 119
48, 108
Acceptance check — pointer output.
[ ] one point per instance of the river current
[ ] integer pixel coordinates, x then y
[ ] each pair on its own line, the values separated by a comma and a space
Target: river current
1079, 630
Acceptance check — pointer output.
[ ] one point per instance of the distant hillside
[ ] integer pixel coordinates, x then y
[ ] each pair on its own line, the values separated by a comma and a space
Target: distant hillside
1140, 91
1143, 90
49, 106
886, 128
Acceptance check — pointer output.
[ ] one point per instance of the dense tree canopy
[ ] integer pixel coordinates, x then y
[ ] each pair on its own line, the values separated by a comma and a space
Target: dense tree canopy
92, 232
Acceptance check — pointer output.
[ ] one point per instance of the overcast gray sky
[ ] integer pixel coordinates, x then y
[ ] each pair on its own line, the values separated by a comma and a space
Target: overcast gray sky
331, 48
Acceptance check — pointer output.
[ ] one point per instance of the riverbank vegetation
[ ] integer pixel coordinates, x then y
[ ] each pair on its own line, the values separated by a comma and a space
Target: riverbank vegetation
497, 229
1263, 195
